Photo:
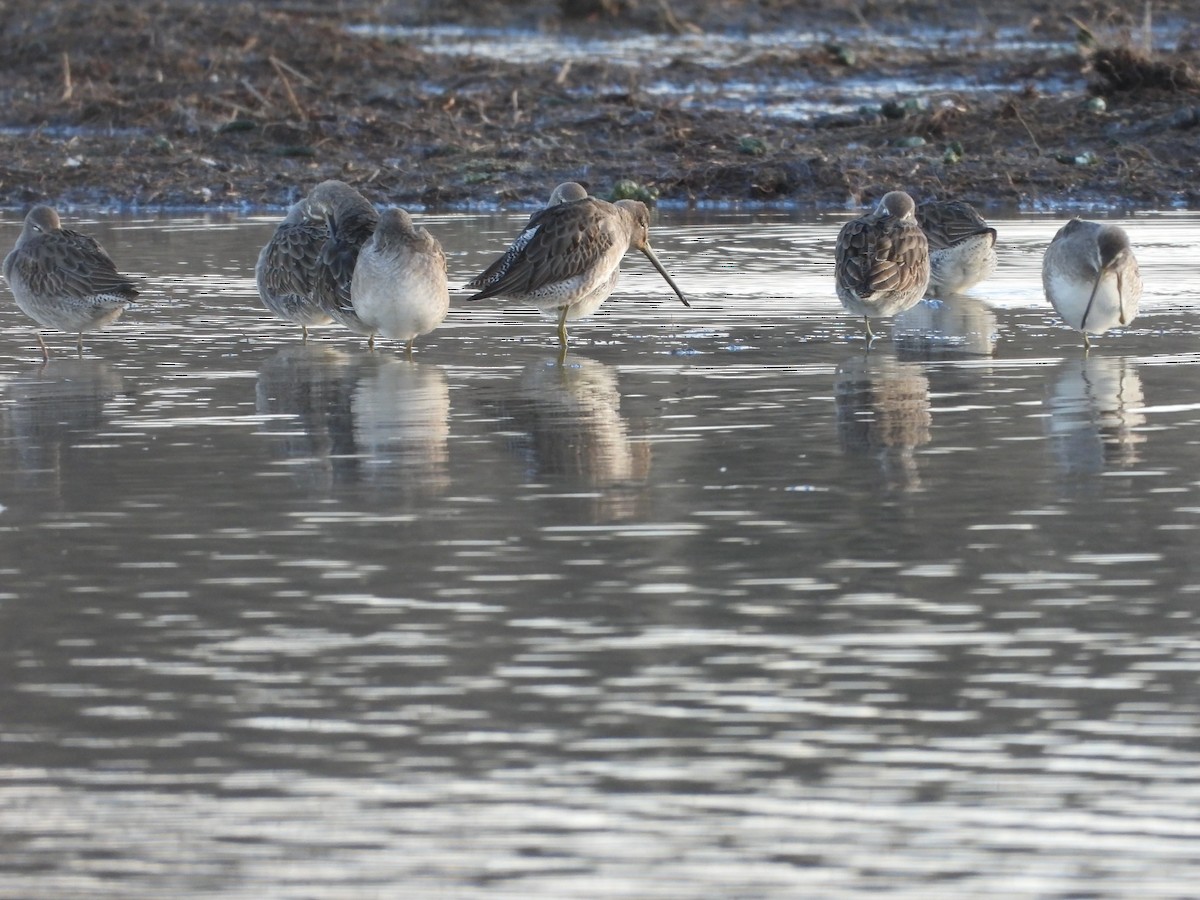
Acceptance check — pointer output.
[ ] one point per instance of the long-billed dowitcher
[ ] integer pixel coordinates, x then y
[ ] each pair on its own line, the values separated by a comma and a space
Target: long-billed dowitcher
399, 288
63, 279
882, 260
962, 246
350, 219
1091, 277
567, 259
287, 269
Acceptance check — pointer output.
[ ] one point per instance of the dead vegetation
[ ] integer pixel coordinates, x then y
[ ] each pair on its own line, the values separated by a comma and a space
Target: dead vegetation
1124, 69
186, 103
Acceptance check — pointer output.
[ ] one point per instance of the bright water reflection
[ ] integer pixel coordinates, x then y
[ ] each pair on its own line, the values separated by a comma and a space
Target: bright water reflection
728, 606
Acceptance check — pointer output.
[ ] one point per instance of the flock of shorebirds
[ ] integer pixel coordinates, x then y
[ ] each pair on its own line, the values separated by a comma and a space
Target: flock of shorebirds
336, 258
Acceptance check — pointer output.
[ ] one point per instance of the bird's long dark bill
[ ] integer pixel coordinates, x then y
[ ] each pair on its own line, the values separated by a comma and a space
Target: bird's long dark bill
663, 272
1087, 309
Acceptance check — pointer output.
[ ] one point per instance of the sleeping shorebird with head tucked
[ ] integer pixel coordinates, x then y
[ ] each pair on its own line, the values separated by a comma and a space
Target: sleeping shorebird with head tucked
350, 220
882, 260
286, 272
567, 260
962, 246
399, 288
1091, 277
63, 279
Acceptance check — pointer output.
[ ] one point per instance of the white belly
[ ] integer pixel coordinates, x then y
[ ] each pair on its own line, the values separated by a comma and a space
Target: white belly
400, 300
1070, 297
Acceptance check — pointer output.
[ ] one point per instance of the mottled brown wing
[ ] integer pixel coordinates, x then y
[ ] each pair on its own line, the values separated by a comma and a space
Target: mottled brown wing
901, 257
290, 264
948, 222
494, 273
338, 256
559, 243
874, 256
852, 256
69, 264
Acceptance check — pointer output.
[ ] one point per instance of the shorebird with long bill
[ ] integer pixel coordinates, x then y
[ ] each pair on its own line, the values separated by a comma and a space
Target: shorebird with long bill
567, 259
1091, 277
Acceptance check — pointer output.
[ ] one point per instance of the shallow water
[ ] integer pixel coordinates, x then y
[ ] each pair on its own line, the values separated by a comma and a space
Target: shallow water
726, 606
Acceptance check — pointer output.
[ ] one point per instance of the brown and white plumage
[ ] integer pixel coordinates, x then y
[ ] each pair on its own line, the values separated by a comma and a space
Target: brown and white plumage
882, 260
962, 246
1091, 277
350, 219
567, 192
399, 288
63, 279
568, 257
286, 272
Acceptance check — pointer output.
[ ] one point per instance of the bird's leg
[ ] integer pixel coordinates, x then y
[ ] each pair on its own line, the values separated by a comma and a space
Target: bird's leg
408, 347
304, 334
1087, 342
1121, 298
79, 345
870, 334
45, 349
562, 330
371, 342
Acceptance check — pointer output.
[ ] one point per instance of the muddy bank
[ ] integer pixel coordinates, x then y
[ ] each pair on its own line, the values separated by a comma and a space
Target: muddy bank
171, 104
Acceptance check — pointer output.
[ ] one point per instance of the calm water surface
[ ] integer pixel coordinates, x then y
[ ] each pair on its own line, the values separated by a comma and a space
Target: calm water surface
727, 606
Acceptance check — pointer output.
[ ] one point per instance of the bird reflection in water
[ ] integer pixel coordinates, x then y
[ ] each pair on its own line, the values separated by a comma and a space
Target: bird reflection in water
48, 411
572, 429
953, 327
313, 385
883, 412
361, 417
401, 415
1096, 410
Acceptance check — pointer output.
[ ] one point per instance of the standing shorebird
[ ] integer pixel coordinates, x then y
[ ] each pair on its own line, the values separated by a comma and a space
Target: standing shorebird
1091, 277
567, 260
882, 260
286, 272
350, 219
962, 247
63, 279
399, 288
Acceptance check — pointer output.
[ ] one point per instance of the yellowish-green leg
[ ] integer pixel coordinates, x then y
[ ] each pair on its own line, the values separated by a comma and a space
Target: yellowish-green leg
562, 331
304, 334
45, 349
870, 333
371, 342
408, 347
1087, 342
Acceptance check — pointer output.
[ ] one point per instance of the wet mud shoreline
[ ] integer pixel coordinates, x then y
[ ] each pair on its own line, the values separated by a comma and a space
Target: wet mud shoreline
177, 104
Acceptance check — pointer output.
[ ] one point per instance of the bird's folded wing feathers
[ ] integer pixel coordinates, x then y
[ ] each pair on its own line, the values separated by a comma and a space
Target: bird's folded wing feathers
70, 264
560, 242
877, 259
